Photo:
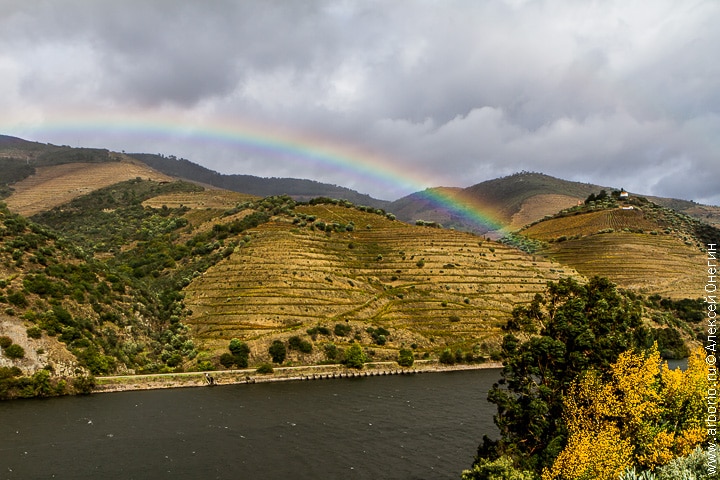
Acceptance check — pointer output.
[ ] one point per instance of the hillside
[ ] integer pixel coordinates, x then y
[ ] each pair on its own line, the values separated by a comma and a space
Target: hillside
428, 287
50, 186
520, 199
515, 201
160, 276
297, 188
144, 276
636, 243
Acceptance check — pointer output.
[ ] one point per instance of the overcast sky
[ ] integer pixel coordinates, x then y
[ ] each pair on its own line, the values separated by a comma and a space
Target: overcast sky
620, 93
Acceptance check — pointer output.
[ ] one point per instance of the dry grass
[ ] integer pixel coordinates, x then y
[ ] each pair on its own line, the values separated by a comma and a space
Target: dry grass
645, 263
56, 185
590, 223
428, 286
539, 206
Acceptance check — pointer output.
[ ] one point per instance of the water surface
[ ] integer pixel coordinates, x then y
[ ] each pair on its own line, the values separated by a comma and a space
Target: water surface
423, 426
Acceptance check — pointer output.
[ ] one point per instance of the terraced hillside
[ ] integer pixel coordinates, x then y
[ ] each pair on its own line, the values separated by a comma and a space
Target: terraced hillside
55, 185
650, 264
648, 248
589, 223
428, 287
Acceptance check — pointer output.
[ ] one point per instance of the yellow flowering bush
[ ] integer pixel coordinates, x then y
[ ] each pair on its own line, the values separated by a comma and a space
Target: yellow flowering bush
641, 414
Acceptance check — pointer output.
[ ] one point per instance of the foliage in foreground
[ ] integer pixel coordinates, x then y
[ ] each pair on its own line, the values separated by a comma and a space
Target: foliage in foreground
560, 335
640, 414
583, 393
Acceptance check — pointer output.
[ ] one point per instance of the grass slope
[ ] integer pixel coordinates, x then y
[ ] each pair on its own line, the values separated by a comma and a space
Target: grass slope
428, 287
55, 185
649, 248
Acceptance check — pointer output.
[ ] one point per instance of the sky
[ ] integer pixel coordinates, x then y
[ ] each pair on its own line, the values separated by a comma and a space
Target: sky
385, 97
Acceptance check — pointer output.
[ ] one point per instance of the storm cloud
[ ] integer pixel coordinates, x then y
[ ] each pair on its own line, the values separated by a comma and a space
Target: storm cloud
619, 93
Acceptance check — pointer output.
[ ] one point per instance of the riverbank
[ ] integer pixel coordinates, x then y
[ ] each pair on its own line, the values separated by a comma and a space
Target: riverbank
280, 374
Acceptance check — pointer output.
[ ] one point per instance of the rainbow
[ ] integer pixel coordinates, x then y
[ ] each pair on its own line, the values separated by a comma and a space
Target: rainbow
273, 141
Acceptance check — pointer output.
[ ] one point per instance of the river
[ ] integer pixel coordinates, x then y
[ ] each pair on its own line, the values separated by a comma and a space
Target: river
424, 426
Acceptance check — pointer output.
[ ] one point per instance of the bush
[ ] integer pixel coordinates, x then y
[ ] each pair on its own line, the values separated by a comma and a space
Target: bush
342, 329
34, 332
83, 385
239, 353
331, 351
14, 351
447, 357
500, 469
227, 360
17, 299
405, 358
277, 351
297, 343
5, 341
265, 368
355, 356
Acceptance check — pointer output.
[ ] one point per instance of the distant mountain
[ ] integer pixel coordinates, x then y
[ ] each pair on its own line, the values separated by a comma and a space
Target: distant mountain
513, 201
520, 199
299, 189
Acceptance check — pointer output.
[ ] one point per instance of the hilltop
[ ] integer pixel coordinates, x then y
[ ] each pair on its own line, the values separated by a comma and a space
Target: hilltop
636, 243
32, 169
520, 199
299, 189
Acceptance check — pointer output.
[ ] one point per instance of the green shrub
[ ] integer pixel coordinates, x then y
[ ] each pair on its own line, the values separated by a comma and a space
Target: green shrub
227, 360
331, 351
355, 356
447, 357
500, 469
297, 343
405, 358
18, 299
14, 351
277, 351
342, 329
84, 384
5, 341
265, 368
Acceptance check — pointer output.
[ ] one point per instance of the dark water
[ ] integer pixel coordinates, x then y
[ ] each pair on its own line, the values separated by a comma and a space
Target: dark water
423, 426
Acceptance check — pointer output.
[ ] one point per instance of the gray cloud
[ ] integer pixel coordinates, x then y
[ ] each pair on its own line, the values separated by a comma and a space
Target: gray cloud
618, 93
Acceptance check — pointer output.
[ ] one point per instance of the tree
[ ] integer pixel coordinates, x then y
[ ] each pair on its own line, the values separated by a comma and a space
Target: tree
640, 414
405, 358
447, 357
240, 353
277, 351
580, 326
355, 356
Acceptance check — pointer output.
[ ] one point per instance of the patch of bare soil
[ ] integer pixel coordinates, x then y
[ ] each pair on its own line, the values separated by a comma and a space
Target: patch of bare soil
537, 207
38, 352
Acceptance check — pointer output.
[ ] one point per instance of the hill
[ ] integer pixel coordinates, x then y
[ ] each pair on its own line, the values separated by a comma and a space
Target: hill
144, 276
623, 239
514, 200
335, 265
299, 189
520, 199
